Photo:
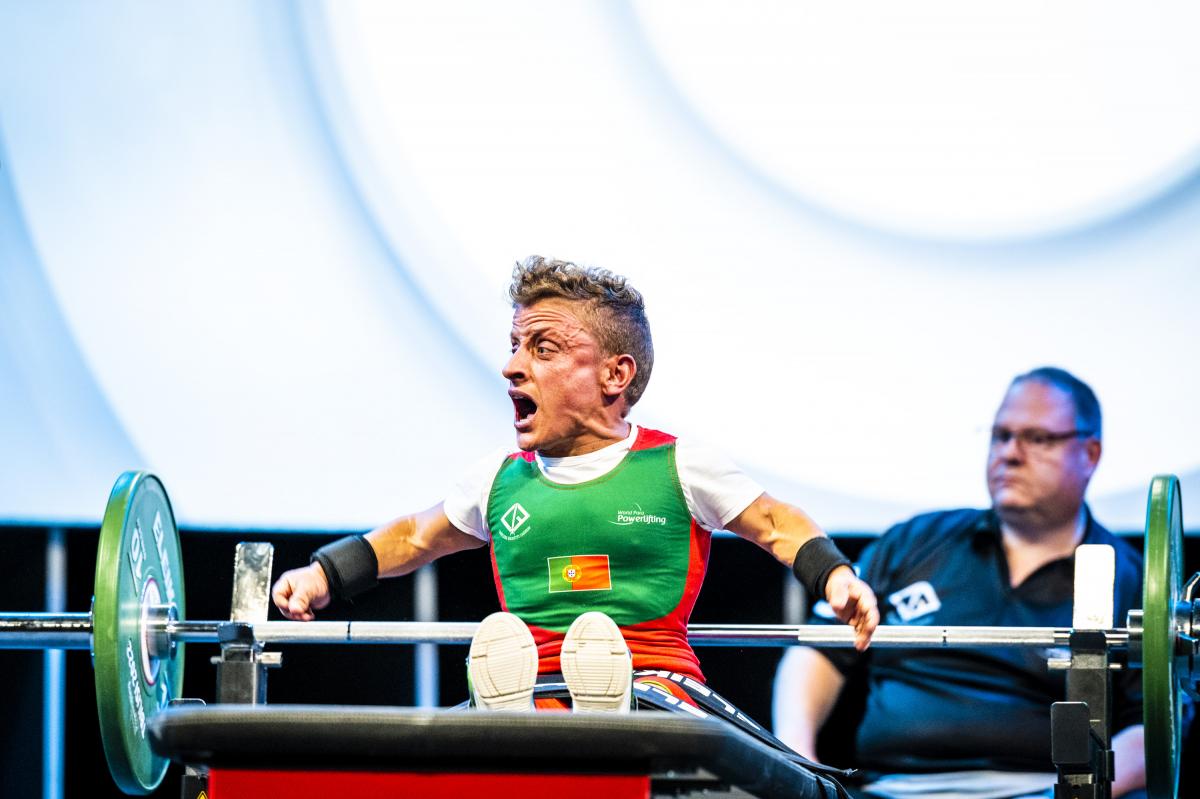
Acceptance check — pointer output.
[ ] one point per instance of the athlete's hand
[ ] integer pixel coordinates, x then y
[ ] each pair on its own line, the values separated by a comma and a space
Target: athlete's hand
297, 593
853, 602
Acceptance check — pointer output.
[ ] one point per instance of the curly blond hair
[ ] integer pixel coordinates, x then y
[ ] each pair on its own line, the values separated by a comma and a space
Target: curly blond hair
614, 311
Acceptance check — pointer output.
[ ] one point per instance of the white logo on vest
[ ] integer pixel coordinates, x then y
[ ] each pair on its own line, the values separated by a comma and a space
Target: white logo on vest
637, 516
513, 520
915, 601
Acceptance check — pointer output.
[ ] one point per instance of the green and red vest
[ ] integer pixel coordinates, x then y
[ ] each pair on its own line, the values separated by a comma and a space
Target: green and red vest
623, 543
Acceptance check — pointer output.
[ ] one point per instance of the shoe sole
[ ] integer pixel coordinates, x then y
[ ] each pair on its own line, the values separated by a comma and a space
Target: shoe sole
596, 665
503, 664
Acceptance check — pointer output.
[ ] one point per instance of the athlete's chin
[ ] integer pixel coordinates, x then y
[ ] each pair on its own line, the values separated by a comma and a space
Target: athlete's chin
527, 440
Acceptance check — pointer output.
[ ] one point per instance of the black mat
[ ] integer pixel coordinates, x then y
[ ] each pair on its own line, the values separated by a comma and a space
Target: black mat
668, 747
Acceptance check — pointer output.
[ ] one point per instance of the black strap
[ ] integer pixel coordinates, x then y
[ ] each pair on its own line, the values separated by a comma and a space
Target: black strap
815, 560
350, 565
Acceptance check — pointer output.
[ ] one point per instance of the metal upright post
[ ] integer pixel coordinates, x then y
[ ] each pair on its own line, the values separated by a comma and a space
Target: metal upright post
1080, 728
242, 665
53, 675
425, 658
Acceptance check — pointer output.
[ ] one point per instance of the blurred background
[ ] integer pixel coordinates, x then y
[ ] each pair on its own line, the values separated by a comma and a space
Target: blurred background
261, 249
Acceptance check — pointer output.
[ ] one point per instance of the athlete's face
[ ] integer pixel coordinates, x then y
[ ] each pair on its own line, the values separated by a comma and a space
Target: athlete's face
556, 380
1033, 476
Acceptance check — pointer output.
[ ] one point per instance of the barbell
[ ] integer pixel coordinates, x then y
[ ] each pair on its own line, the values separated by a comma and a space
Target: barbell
137, 627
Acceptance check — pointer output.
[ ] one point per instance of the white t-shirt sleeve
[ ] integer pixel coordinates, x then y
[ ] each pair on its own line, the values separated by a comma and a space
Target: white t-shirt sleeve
466, 503
715, 489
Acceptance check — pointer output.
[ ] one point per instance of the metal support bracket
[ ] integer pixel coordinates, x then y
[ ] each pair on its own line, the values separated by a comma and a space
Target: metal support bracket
1080, 742
242, 665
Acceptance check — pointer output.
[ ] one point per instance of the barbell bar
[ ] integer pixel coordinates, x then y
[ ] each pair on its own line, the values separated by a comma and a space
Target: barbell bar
137, 628
74, 631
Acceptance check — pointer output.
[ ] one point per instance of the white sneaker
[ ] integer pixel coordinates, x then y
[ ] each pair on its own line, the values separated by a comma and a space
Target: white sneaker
597, 666
503, 664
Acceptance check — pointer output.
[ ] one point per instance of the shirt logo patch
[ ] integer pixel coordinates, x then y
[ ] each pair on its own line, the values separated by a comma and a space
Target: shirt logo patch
579, 573
637, 516
513, 520
915, 601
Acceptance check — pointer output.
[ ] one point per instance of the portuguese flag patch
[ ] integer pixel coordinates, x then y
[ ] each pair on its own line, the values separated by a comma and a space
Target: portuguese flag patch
579, 573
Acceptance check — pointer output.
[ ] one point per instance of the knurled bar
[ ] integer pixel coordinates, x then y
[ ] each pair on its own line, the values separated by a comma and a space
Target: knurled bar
73, 631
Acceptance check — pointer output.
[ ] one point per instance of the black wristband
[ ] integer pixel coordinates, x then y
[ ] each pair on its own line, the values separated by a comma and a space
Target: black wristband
815, 560
350, 565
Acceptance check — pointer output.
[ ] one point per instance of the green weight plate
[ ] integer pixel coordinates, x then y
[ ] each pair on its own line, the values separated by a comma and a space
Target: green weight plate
138, 563
1162, 692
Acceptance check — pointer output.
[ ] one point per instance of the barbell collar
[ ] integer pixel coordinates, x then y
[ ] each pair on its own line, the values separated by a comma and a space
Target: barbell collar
155, 637
1134, 622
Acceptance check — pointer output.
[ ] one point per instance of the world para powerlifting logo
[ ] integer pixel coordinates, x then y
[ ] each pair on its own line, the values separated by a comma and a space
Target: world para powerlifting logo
637, 516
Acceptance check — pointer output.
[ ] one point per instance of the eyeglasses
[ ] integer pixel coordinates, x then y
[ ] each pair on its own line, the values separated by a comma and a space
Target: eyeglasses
1034, 438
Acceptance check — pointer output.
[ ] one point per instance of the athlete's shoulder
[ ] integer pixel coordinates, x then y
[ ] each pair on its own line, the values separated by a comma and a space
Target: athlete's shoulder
648, 438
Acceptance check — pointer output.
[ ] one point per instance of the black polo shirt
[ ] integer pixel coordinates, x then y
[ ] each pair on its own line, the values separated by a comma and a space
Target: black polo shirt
948, 709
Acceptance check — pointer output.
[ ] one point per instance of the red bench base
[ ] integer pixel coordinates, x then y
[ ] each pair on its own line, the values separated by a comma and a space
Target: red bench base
264, 784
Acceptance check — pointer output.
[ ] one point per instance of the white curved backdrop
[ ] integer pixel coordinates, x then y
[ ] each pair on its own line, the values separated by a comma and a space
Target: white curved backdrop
261, 249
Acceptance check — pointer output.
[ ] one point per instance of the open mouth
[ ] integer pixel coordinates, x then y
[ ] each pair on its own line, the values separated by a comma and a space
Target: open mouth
523, 409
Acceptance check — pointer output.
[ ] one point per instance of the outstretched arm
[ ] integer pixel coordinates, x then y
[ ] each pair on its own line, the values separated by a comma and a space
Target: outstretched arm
782, 530
400, 547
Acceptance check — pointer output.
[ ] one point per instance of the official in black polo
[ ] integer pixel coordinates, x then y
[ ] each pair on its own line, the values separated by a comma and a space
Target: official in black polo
977, 721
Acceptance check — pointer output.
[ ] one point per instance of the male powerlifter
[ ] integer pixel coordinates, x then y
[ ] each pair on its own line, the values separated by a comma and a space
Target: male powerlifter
599, 529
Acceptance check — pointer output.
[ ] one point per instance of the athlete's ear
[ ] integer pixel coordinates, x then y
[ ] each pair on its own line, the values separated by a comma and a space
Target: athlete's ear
616, 374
